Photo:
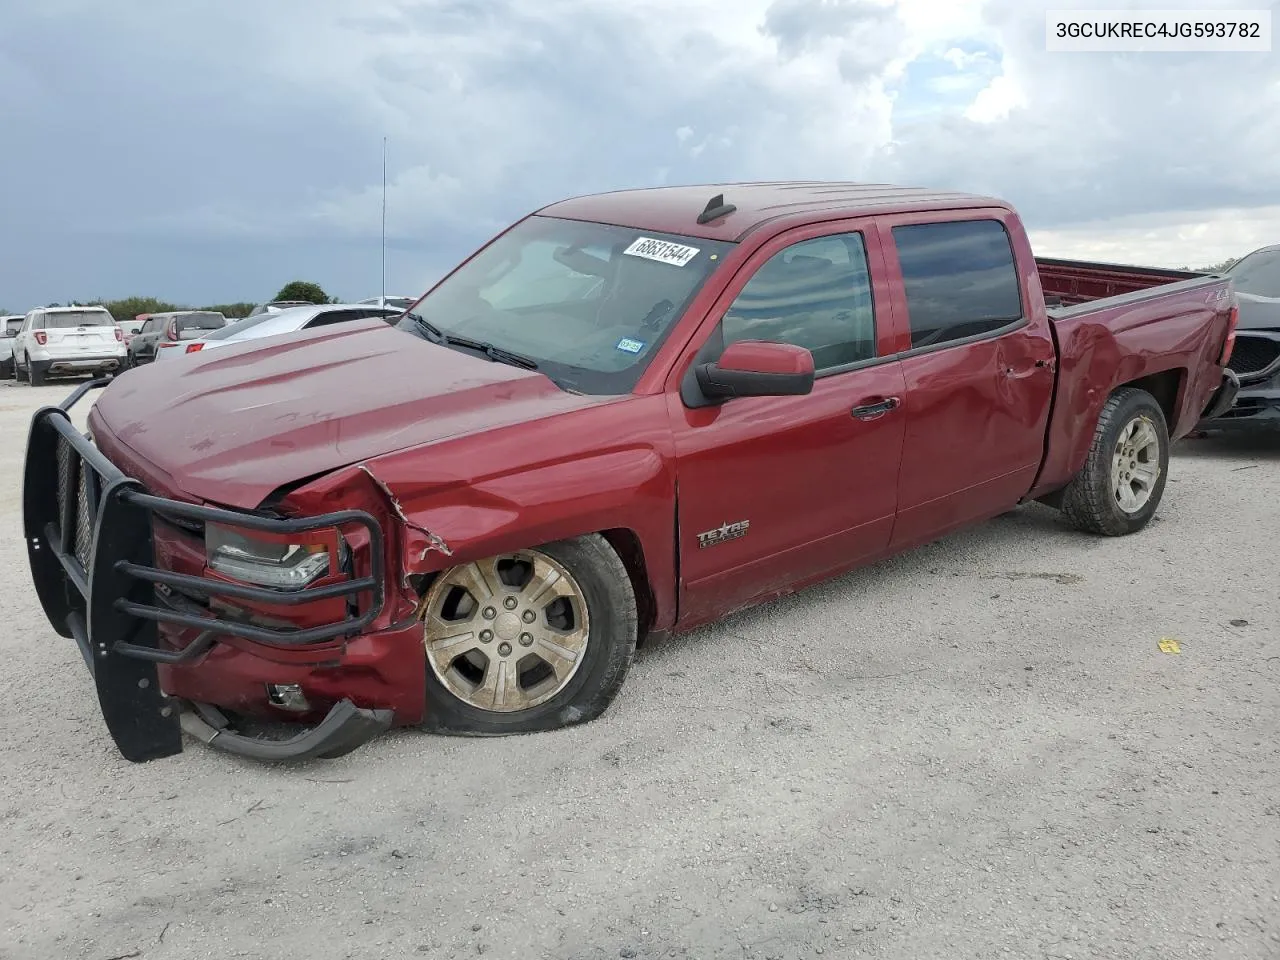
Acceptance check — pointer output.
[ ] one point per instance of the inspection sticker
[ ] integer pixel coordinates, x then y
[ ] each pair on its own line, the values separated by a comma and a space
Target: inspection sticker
663, 251
627, 345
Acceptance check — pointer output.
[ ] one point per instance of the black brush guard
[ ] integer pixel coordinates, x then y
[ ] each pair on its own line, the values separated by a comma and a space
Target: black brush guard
88, 529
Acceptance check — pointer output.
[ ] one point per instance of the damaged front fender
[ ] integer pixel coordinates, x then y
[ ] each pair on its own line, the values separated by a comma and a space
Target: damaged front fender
430, 542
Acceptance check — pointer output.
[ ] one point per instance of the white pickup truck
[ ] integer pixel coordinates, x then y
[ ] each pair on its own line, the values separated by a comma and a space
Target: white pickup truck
57, 341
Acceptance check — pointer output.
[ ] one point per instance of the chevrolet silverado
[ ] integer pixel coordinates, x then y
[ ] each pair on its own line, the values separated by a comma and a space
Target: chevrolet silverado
625, 416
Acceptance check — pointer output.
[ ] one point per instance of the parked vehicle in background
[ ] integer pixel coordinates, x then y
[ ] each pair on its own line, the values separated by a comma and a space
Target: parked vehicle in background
130, 328
627, 415
67, 341
11, 325
1256, 358
275, 306
161, 330
400, 303
276, 324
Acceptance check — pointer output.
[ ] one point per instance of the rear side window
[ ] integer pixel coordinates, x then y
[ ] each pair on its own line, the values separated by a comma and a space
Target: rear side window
814, 294
336, 316
960, 279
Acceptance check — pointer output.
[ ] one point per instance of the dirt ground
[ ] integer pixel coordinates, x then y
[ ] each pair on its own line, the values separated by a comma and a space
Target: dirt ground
976, 750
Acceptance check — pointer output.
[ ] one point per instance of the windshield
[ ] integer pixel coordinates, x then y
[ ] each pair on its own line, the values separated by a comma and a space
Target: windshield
588, 301
1257, 273
77, 318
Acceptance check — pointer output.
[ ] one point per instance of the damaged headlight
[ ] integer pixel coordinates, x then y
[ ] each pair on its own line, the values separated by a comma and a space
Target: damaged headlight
272, 563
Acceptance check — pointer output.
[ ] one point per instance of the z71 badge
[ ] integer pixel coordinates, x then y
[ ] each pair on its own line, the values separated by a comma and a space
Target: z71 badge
729, 531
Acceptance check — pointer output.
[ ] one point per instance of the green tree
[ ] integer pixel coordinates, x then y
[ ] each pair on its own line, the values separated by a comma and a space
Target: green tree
232, 311
129, 307
302, 290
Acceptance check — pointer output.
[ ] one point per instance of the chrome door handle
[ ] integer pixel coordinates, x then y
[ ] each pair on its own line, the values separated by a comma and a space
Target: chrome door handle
879, 408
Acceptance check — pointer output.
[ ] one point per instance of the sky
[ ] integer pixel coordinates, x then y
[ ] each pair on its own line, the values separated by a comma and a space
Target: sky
212, 150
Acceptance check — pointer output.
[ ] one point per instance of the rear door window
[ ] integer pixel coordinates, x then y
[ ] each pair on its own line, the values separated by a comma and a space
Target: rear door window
960, 280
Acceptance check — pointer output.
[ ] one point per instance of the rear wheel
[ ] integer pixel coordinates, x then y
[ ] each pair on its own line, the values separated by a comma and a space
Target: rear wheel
529, 640
35, 377
1120, 486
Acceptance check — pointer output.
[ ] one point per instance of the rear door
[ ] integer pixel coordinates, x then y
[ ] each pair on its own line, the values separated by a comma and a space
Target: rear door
776, 490
143, 345
978, 367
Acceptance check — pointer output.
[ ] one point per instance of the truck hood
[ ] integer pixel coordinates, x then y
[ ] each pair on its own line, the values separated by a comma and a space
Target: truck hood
1257, 312
233, 427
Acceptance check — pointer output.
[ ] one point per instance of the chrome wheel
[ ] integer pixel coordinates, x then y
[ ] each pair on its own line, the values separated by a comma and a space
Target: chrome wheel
1135, 464
506, 633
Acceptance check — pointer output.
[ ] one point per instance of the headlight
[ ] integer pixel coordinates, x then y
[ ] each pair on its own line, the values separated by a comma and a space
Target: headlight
272, 563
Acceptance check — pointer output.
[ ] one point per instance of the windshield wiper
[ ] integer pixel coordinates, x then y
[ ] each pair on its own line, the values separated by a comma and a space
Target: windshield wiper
429, 329
436, 335
493, 353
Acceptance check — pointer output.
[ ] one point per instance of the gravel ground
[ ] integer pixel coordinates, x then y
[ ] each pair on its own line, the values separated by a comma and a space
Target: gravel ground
974, 750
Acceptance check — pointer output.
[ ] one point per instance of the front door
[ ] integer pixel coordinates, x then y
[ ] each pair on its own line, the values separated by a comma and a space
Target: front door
777, 490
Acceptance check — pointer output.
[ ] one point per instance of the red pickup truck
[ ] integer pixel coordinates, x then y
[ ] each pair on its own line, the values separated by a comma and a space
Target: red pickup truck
626, 415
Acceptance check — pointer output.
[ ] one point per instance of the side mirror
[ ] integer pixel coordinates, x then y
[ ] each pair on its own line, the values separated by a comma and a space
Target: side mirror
757, 368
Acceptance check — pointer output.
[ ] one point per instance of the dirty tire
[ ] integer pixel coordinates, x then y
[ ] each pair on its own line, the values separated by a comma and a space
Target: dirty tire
1089, 502
610, 647
34, 377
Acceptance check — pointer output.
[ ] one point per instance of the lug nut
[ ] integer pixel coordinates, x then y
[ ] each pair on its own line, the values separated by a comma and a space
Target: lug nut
504, 649
530, 616
486, 636
490, 613
510, 603
526, 639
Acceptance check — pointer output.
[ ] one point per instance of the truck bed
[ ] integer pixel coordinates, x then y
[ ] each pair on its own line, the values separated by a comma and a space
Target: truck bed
1163, 332
1071, 282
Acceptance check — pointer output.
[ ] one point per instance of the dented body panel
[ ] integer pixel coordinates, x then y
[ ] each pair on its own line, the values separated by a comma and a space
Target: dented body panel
712, 507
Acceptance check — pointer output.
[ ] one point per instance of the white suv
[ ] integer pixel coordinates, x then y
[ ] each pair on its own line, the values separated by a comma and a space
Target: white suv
56, 341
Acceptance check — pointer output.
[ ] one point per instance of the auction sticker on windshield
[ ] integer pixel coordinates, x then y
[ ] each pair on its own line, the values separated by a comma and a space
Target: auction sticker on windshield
661, 250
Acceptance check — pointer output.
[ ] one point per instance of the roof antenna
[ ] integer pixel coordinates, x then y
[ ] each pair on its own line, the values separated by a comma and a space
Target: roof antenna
715, 208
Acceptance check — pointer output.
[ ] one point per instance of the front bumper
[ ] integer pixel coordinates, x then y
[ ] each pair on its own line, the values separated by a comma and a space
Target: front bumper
90, 544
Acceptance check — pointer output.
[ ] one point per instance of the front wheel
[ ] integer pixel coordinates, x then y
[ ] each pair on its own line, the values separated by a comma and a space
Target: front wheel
1122, 481
530, 640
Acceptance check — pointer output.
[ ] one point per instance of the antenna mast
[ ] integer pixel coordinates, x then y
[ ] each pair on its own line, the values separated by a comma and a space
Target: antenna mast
383, 291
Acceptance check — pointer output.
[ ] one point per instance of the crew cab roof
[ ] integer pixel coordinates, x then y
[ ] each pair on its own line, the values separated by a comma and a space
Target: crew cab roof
676, 209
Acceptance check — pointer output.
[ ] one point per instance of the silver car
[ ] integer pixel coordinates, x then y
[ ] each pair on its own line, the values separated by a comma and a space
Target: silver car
12, 324
276, 324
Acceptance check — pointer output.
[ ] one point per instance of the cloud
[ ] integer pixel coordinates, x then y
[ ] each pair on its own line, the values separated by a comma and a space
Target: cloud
243, 130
